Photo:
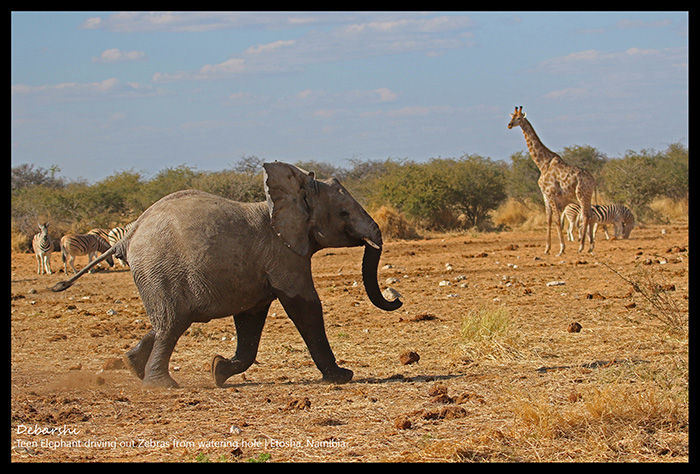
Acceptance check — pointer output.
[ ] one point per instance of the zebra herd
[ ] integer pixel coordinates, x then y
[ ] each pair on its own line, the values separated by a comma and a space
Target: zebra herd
95, 242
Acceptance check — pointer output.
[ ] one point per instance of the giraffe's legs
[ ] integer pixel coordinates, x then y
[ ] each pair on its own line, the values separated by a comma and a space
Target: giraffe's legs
548, 209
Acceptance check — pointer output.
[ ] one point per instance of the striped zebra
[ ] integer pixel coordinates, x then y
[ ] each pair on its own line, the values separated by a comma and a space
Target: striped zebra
104, 233
73, 245
42, 243
618, 215
116, 234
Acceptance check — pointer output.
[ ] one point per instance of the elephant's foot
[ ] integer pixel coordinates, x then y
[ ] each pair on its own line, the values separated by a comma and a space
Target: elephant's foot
220, 370
162, 381
338, 376
137, 357
136, 363
223, 368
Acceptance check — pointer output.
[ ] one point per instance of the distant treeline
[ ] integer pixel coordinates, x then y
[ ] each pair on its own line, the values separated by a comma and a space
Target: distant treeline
440, 194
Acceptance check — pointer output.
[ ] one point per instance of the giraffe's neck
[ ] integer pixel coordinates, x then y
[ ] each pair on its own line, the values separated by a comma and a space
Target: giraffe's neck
541, 155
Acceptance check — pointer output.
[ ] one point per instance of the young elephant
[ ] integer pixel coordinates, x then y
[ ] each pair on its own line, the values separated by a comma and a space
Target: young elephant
195, 257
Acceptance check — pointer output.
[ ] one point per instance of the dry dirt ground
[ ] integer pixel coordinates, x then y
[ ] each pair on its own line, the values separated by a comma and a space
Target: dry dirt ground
617, 390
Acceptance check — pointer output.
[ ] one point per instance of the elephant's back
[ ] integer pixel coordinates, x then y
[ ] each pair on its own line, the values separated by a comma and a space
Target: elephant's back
193, 245
194, 224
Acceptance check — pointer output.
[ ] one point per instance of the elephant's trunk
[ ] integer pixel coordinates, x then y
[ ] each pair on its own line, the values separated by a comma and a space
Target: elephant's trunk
370, 261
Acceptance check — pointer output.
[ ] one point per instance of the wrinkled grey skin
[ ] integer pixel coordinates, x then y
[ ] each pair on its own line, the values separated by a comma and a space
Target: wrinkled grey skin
196, 257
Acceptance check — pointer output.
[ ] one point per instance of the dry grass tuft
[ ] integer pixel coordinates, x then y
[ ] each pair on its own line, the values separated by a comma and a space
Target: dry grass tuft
515, 214
393, 224
674, 211
607, 423
485, 333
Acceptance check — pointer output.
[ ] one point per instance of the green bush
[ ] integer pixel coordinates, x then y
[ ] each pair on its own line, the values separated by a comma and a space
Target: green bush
440, 194
639, 177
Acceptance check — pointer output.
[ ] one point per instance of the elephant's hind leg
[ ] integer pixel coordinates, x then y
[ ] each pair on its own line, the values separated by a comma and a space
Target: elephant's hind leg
249, 326
157, 373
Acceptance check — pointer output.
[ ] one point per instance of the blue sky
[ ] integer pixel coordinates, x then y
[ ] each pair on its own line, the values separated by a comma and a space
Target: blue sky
95, 93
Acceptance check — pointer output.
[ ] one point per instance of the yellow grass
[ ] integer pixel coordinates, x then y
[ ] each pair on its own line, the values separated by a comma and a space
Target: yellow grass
393, 224
674, 211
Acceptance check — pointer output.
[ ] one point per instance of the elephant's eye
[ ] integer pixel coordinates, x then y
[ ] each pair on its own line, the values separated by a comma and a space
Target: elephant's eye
344, 214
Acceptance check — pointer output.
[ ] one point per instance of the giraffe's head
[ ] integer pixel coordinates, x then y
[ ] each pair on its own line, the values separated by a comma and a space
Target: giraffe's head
516, 117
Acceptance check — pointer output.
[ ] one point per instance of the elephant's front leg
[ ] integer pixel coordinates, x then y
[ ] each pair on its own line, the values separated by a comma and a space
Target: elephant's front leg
307, 315
249, 326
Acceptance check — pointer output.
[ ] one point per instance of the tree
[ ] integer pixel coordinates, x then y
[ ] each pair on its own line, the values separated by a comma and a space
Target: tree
167, 181
243, 187
120, 195
434, 194
585, 157
25, 175
632, 180
476, 186
523, 174
673, 168
251, 165
414, 189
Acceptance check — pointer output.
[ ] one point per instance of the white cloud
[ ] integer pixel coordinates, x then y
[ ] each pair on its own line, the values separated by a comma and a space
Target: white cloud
228, 68
115, 55
386, 95
102, 86
411, 25
262, 48
628, 24
75, 91
631, 24
305, 94
190, 22
345, 38
630, 60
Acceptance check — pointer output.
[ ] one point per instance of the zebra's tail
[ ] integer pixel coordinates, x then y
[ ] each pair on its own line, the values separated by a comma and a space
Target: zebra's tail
63, 285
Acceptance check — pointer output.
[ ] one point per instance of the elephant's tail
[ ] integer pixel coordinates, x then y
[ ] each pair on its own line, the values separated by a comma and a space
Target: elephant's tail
119, 248
62, 285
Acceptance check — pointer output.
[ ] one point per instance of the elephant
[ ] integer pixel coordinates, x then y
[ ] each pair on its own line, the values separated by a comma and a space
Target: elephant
195, 257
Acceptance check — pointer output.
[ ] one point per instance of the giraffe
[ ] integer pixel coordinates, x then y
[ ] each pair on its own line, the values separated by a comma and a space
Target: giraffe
559, 182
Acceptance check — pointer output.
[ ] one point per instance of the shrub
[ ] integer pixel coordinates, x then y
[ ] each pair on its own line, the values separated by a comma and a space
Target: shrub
436, 193
639, 177
393, 225
517, 214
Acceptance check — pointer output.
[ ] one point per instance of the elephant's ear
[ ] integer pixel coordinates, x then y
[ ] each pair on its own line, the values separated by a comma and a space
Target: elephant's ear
286, 187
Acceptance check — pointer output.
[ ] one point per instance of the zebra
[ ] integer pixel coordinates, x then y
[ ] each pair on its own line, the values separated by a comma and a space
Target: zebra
616, 214
42, 243
116, 235
73, 245
104, 233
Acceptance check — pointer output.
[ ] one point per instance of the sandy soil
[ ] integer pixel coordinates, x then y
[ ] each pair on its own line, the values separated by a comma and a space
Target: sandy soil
614, 391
